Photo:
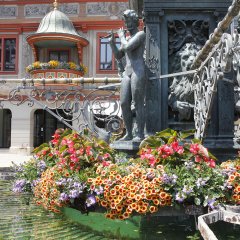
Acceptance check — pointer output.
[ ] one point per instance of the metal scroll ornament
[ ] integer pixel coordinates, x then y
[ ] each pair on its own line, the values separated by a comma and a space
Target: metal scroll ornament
218, 62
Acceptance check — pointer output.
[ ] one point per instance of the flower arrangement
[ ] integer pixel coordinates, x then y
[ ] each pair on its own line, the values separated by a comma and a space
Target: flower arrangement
231, 169
69, 159
82, 171
130, 187
53, 64
169, 171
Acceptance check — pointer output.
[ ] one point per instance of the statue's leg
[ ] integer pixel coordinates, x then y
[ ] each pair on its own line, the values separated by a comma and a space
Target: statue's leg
138, 95
125, 100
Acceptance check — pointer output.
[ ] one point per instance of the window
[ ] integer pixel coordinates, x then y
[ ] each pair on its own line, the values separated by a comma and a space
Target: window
105, 59
59, 55
5, 128
45, 125
8, 54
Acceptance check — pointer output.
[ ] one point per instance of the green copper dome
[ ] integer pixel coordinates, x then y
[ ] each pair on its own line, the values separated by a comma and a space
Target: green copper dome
56, 30
56, 22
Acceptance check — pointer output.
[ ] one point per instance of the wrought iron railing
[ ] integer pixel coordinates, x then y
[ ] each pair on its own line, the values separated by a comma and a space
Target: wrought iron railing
78, 103
218, 56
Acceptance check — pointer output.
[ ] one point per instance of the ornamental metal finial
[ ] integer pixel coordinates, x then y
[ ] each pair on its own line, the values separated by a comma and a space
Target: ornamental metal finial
55, 4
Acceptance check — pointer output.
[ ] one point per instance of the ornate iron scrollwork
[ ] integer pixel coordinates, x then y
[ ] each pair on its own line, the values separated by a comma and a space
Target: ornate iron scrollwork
219, 61
181, 32
96, 109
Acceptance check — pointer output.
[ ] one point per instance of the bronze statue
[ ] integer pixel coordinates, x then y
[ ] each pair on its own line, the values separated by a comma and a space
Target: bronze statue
132, 93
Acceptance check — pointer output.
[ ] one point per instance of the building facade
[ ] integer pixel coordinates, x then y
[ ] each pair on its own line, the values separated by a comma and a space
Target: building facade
33, 32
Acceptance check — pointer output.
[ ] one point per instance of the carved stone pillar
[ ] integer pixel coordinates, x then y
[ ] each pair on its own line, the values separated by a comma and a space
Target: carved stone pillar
154, 87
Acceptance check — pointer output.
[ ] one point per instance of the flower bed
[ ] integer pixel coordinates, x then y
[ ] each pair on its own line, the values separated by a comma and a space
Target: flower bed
83, 172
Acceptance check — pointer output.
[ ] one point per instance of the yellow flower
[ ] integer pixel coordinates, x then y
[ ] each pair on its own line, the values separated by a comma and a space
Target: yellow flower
36, 64
53, 63
153, 209
72, 65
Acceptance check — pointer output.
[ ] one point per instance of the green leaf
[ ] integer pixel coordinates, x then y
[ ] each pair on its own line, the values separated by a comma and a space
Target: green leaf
186, 133
197, 201
166, 133
38, 149
63, 148
212, 156
205, 203
151, 141
195, 140
86, 132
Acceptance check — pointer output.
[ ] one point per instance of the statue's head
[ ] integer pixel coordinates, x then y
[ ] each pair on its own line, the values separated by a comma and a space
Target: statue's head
183, 59
187, 54
131, 19
181, 86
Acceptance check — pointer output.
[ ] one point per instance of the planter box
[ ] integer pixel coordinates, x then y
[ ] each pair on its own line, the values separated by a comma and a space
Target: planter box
96, 222
55, 73
129, 228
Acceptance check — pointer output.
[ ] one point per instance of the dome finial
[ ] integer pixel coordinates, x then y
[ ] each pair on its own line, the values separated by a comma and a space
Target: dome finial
55, 4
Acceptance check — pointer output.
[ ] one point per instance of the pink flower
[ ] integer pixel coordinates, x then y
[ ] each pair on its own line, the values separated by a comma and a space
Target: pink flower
198, 158
203, 150
179, 149
194, 148
70, 143
212, 163
80, 151
167, 149
105, 163
106, 155
74, 158
64, 142
56, 136
54, 141
71, 150
88, 151
152, 161
62, 161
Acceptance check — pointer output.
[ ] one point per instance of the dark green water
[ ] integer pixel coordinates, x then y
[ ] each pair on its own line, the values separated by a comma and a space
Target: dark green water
21, 221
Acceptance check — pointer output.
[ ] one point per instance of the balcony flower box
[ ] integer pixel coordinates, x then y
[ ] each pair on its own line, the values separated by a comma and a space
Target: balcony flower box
56, 69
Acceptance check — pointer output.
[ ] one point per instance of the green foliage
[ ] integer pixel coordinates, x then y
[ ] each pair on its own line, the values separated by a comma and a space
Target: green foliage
166, 136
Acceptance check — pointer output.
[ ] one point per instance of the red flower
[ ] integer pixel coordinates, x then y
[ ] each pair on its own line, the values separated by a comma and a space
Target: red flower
88, 151
198, 158
167, 149
194, 148
150, 157
54, 141
211, 163
179, 149
105, 163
